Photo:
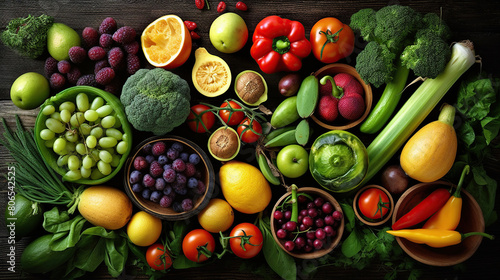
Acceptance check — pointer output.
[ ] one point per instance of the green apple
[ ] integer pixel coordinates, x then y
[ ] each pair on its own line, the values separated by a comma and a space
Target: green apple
228, 33
29, 90
292, 161
60, 38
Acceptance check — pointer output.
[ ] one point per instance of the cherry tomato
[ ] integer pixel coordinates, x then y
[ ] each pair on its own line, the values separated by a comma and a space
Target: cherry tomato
250, 244
331, 40
158, 258
231, 118
246, 134
374, 203
196, 242
196, 119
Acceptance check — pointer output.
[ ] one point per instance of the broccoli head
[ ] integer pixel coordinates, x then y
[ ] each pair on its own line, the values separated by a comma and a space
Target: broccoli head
156, 100
396, 25
375, 64
433, 24
27, 36
365, 22
428, 56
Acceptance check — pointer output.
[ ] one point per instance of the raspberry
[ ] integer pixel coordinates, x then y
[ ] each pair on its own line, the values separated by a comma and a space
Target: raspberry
90, 37
160, 184
201, 188
115, 57
73, 75
179, 165
140, 163
166, 201
187, 204
50, 66
63, 66
105, 75
148, 181
190, 170
106, 41
124, 35
77, 54
87, 80
155, 169
169, 175
108, 26
181, 179
158, 148
100, 64
114, 87
133, 64
131, 48
57, 81
96, 53
179, 188
172, 154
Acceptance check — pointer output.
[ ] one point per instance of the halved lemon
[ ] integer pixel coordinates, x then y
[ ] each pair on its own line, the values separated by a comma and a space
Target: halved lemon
211, 74
166, 42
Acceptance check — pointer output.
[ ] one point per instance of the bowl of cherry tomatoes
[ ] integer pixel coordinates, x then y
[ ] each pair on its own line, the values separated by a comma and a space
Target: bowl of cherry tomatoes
373, 205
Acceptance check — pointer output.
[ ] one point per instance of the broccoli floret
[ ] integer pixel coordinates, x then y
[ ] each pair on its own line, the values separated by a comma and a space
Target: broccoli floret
365, 22
432, 23
428, 56
396, 25
27, 36
156, 100
375, 64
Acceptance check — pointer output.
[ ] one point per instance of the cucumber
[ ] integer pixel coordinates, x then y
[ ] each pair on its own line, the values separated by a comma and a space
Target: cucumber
28, 216
286, 113
37, 257
307, 96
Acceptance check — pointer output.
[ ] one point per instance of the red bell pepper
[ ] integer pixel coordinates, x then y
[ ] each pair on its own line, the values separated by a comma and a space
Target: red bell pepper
279, 45
426, 208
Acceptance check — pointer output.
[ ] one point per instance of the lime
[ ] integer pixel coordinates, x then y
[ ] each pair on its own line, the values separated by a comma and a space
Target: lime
24, 214
60, 38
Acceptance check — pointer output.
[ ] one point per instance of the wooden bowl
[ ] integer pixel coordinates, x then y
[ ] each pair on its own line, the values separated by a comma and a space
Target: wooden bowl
362, 218
154, 208
340, 123
330, 243
471, 221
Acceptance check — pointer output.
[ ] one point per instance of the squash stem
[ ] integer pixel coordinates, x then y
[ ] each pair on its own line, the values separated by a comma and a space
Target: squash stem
447, 114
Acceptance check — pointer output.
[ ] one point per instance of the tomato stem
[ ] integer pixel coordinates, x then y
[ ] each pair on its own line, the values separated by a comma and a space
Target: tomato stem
330, 38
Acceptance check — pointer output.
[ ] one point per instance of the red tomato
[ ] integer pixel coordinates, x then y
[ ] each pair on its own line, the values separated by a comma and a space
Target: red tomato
231, 118
197, 241
196, 119
374, 203
252, 244
246, 134
158, 258
331, 40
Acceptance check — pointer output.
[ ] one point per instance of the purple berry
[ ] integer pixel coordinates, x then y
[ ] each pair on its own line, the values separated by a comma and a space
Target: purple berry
194, 159
160, 184
50, 66
289, 245
73, 75
140, 163
178, 165
90, 37
137, 188
169, 175
179, 188
150, 158
192, 183
63, 66
105, 75
327, 208
319, 201
108, 26
287, 215
311, 235
301, 199
177, 146
278, 215
337, 215
317, 244
148, 181
57, 81
96, 53
184, 156
312, 212
190, 170
187, 204
320, 234
135, 177
181, 179
319, 223
100, 65
300, 242
166, 201
155, 169
114, 87
330, 232
308, 221
77, 54
87, 80
291, 226
162, 159
115, 57
133, 64
124, 35
106, 41
201, 188
172, 154
132, 47
167, 166
158, 148
281, 233
329, 220
155, 196
146, 193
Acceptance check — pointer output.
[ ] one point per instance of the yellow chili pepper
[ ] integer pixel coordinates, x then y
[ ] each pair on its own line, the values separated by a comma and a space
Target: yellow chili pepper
436, 238
448, 217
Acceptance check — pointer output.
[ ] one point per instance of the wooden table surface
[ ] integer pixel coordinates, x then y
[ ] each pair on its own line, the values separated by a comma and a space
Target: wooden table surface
474, 20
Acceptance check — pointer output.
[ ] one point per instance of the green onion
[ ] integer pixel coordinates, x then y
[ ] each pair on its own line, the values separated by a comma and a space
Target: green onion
417, 108
35, 179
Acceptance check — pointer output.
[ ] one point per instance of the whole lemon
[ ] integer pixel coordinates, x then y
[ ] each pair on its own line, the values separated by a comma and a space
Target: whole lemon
144, 229
60, 38
217, 216
244, 187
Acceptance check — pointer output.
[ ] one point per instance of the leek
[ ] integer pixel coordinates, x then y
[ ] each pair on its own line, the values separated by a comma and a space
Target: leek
417, 108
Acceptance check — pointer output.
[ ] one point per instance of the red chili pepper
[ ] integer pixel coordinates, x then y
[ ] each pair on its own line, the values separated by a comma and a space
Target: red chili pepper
194, 35
241, 6
279, 45
200, 4
191, 25
221, 7
430, 205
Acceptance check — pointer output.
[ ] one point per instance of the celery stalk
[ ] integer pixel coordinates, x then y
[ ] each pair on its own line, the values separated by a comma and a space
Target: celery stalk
417, 108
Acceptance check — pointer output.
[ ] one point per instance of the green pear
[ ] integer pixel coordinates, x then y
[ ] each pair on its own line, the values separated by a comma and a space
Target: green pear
60, 38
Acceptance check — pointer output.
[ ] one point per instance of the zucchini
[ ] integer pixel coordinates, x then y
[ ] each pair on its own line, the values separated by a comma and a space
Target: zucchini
417, 108
37, 257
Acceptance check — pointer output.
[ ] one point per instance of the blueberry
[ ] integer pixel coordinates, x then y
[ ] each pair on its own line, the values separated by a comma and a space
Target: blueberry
192, 183
179, 188
162, 159
184, 156
135, 177
168, 189
155, 196
160, 184
194, 159
177, 207
147, 148
150, 158
177, 146
137, 188
146, 193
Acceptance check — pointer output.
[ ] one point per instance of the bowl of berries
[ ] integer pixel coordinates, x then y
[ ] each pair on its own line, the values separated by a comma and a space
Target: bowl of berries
307, 223
169, 177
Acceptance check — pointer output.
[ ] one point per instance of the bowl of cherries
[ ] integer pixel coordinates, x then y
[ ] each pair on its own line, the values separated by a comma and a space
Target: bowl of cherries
169, 177
307, 222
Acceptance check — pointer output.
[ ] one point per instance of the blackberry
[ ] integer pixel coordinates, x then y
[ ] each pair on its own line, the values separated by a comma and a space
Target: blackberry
50, 66
133, 64
108, 26
73, 75
106, 41
124, 35
57, 81
63, 66
77, 54
105, 75
113, 87
96, 53
90, 37
115, 57
87, 80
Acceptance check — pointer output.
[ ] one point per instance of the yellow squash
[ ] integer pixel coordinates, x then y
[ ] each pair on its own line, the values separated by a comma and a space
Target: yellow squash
430, 153
211, 74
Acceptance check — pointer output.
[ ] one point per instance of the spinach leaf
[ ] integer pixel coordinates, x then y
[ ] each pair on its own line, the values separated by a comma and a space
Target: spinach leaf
279, 261
66, 231
90, 253
116, 255
352, 245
